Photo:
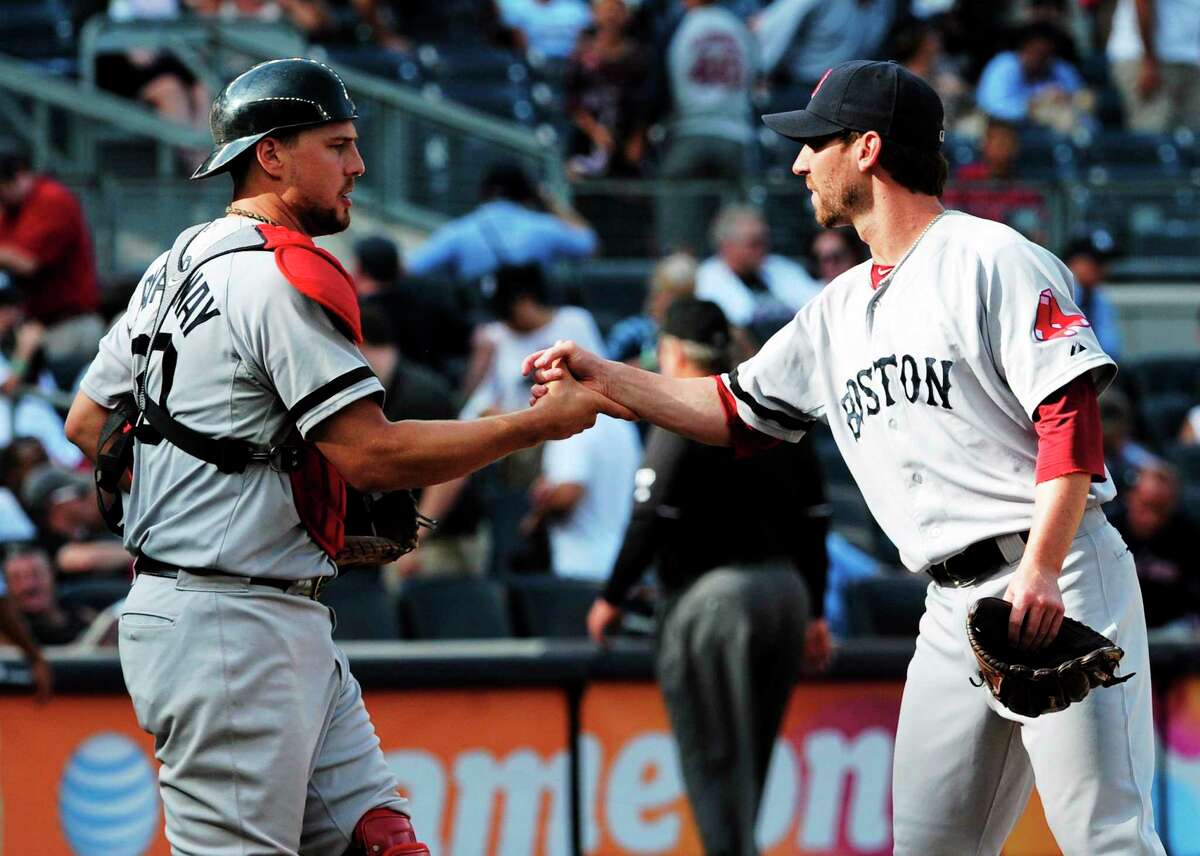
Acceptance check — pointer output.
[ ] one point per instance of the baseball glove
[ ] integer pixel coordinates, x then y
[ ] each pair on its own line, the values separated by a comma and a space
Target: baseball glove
381, 529
1031, 683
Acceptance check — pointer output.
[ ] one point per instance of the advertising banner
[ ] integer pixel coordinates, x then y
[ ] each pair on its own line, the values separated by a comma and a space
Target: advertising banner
487, 774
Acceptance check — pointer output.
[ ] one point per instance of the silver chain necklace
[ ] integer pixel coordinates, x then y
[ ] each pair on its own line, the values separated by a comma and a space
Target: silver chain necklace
892, 273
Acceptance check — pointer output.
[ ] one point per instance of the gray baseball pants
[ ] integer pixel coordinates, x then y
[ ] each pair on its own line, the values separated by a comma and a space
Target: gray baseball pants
264, 742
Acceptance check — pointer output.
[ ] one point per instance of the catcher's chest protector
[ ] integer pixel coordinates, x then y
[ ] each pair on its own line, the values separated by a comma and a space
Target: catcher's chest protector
318, 489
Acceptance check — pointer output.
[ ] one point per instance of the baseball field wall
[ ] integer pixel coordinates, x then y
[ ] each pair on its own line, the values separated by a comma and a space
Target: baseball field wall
537, 748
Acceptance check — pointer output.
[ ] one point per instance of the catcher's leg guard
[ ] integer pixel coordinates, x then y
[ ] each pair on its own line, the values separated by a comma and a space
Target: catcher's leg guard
384, 832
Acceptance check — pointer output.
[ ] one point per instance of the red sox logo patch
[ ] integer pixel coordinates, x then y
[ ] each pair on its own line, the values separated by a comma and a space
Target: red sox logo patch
1051, 322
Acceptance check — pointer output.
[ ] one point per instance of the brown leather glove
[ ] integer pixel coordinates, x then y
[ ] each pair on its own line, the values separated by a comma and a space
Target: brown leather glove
1031, 683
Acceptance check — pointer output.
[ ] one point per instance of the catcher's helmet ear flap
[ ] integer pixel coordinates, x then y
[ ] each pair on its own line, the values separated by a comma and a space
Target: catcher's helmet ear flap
272, 96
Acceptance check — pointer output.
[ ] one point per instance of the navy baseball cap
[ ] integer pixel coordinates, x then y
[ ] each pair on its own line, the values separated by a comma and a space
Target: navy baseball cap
861, 95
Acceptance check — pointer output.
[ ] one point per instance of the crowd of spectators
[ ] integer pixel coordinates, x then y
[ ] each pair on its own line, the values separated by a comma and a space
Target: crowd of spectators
648, 90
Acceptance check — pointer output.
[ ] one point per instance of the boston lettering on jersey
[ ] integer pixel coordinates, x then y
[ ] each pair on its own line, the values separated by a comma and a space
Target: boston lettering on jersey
888, 379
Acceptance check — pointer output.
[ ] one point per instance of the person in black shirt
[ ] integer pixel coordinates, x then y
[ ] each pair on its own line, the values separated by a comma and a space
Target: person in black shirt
739, 547
1163, 543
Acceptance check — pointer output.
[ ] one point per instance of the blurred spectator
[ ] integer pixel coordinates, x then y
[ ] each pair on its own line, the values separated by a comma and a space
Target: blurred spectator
733, 542
603, 78
1089, 265
702, 82
429, 320
635, 338
802, 39
383, 19
32, 590
1163, 543
1122, 455
746, 280
14, 630
584, 497
156, 78
18, 459
526, 324
311, 17
988, 187
549, 28
15, 524
1154, 50
459, 545
833, 252
46, 248
507, 229
918, 47
63, 506
1034, 84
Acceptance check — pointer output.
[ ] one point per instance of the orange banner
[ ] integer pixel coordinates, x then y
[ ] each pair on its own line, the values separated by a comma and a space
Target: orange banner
486, 772
828, 790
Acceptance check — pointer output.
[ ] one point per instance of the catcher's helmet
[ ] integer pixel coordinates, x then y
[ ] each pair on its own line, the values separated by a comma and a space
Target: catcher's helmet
281, 93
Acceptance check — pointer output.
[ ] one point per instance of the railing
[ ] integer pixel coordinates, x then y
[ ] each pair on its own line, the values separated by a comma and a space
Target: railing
425, 156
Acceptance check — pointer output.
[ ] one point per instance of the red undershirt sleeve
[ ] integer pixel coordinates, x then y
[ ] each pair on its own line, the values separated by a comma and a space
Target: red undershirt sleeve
744, 439
1069, 435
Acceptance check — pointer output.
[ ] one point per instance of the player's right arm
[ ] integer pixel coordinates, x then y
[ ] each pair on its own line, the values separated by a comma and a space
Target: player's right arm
374, 454
690, 407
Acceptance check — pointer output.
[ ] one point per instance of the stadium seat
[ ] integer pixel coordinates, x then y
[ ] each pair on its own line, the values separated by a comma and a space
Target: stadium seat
364, 608
37, 29
1187, 460
1162, 416
551, 607
1160, 374
97, 594
886, 606
462, 608
1045, 155
1124, 155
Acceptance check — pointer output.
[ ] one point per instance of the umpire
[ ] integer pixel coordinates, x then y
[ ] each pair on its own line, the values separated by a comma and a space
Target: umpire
739, 547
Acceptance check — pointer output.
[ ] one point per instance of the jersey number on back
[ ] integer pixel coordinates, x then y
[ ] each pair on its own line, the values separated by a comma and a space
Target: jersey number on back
141, 348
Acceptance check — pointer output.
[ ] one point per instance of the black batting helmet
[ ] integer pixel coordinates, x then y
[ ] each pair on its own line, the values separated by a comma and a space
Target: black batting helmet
272, 96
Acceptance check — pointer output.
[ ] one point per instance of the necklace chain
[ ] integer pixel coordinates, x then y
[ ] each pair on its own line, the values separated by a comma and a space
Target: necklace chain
242, 212
892, 273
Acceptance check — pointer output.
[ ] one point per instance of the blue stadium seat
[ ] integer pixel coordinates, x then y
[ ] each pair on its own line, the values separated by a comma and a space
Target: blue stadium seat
890, 605
551, 607
1113, 155
1045, 155
37, 30
1155, 375
461, 608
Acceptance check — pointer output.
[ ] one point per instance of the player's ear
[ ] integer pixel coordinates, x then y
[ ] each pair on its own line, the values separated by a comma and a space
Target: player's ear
867, 149
271, 155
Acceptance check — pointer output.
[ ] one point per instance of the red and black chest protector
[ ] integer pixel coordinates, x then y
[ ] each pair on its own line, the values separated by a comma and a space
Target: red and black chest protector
318, 489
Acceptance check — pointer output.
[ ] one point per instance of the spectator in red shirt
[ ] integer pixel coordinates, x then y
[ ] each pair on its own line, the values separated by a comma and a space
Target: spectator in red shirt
46, 248
987, 188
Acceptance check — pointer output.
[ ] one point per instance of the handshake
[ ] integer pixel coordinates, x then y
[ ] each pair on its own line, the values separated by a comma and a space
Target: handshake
571, 386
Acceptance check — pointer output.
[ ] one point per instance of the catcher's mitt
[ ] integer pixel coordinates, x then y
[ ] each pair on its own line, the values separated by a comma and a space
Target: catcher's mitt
381, 529
1031, 683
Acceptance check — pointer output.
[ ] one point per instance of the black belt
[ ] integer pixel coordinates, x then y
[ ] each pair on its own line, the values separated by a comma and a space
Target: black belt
310, 587
978, 562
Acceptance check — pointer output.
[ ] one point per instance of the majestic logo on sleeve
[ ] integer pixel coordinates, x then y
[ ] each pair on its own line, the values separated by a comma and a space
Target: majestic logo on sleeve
1051, 322
906, 376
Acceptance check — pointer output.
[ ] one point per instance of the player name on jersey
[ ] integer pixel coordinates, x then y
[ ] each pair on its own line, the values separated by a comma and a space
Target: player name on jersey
904, 376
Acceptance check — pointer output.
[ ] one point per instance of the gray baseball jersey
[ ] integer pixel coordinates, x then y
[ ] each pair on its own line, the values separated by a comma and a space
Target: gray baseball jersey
930, 382
243, 354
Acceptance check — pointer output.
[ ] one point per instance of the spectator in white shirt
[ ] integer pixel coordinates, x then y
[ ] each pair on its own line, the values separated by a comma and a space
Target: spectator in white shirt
585, 497
1154, 50
527, 324
744, 278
